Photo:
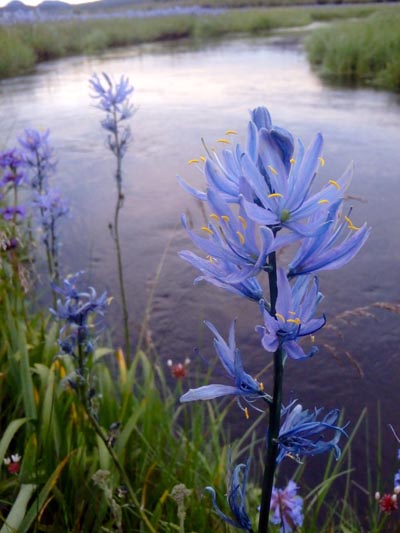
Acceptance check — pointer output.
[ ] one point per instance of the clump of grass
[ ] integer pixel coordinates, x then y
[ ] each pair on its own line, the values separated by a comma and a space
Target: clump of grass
16, 56
359, 51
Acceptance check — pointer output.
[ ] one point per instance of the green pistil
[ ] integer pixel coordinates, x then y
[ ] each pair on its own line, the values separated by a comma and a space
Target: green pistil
285, 215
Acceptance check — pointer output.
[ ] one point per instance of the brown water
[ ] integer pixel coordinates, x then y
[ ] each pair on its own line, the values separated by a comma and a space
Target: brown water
183, 93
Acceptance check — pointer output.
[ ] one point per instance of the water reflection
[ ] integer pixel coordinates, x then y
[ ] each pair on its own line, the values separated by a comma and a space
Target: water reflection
186, 92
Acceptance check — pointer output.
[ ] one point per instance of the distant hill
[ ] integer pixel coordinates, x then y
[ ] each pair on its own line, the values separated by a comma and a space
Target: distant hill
16, 5
52, 5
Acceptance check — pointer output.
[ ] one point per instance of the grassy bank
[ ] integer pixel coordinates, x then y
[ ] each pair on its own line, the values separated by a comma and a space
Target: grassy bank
362, 51
23, 46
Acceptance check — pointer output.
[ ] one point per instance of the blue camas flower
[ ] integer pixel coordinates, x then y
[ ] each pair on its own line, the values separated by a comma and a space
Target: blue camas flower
295, 309
302, 434
39, 157
114, 99
52, 206
287, 508
236, 248
283, 192
329, 250
244, 385
76, 311
236, 498
223, 173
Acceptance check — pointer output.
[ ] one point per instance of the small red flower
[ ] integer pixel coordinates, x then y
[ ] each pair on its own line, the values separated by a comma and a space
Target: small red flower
178, 370
388, 503
13, 468
13, 463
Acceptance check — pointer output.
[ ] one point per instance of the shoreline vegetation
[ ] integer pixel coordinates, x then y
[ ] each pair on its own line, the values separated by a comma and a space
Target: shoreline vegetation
338, 51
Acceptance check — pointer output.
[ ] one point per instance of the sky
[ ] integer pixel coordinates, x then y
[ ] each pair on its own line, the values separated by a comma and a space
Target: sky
36, 2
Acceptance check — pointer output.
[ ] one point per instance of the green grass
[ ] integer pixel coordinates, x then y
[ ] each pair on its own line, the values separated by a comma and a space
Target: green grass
26, 45
68, 481
365, 52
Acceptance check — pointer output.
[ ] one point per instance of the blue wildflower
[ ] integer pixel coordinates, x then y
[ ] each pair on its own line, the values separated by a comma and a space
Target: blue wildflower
283, 186
219, 272
302, 434
236, 498
52, 206
114, 98
76, 311
39, 157
295, 309
329, 250
223, 173
236, 247
244, 385
287, 508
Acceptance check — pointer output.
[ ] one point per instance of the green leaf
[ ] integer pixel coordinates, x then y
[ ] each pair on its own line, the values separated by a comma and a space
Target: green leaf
18, 510
8, 435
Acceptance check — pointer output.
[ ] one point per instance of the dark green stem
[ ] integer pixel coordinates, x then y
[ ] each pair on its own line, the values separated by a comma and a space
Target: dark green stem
274, 413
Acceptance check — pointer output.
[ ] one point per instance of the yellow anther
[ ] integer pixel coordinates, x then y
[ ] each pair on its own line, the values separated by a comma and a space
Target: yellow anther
109, 300
211, 259
313, 338
223, 141
322, 161
241, 238
281, 317
214, 216
225, 218
261, 386
350, 223
294, 320
246, 413
335, 184
293, 161
207, 230
192, 161
292, 312
272, 169
275, 195
202, 158
243, 221
323, 202
231, 132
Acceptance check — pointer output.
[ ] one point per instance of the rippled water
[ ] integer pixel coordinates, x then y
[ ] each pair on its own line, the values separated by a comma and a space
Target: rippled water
183, 93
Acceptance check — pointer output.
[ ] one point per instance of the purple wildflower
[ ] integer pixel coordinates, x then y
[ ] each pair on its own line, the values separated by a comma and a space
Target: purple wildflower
287, 508
11, 164
10, 212
39, 157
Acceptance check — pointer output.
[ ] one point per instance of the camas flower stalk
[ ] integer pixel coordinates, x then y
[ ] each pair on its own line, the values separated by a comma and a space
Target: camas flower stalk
114, 100
81, 313
261, 198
